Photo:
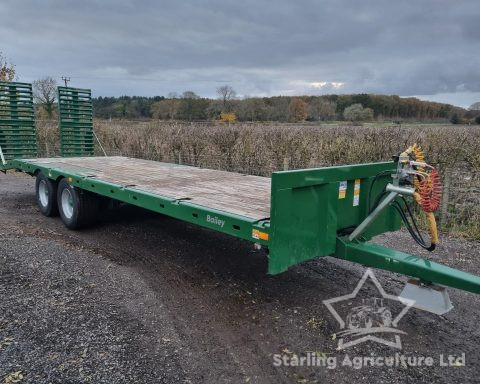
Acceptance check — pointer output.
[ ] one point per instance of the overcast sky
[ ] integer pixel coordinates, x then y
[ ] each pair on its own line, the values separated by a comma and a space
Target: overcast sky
419, 47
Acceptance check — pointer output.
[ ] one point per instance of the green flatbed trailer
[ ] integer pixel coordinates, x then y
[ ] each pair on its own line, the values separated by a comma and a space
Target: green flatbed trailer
296, 215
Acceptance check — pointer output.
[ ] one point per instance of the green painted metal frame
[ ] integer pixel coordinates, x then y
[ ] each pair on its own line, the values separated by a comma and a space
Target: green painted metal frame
308, 219
292, 239
307, 212
17, 122
75, 122
377, 256
234, 225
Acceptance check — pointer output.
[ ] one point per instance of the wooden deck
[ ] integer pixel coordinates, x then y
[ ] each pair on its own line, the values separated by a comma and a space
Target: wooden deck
224, 191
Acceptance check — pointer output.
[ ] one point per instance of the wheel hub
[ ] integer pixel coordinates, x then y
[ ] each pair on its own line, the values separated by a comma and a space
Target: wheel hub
67, 203
43, 193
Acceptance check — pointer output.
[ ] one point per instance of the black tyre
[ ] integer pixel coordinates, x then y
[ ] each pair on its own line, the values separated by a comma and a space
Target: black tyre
46, 192
78, 208
107, 204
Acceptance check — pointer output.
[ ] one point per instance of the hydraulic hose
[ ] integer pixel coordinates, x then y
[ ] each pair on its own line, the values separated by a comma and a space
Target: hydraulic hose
428, 192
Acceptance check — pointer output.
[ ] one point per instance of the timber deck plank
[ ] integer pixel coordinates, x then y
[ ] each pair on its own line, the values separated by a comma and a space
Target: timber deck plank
235, 193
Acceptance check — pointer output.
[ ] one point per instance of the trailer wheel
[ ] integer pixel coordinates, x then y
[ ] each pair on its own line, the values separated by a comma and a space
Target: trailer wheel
46, 193
78, 208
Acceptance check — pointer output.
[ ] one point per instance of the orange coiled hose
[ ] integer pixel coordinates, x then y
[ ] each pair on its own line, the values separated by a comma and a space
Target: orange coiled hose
430, 190
430, 187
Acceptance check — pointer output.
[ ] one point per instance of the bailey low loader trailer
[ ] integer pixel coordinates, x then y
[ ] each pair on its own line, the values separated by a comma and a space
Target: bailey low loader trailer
295, 215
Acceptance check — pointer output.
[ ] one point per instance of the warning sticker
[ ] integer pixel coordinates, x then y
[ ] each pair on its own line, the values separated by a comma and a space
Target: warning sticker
256, 234
342, 189
356, 193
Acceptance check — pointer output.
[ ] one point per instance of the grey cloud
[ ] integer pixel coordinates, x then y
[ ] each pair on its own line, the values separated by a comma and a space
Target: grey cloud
260, 47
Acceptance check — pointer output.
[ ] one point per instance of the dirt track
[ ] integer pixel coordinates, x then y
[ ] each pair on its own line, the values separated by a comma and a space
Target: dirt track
145, 298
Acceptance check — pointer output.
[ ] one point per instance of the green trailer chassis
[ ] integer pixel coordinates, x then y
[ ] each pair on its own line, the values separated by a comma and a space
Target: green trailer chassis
311, 212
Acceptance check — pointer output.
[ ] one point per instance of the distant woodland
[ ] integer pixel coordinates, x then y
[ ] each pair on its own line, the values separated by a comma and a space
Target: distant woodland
357, 107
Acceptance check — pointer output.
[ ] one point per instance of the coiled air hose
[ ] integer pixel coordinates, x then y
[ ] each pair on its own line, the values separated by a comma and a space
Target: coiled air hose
428, 193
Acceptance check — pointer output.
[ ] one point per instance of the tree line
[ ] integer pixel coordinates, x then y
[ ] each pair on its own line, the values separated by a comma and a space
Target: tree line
357, 107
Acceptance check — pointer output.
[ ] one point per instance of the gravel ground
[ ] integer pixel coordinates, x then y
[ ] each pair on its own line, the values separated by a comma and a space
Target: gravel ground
143, 298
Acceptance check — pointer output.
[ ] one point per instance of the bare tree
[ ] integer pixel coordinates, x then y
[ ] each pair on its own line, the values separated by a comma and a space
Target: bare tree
474, 106
191, 107
320, 109
45, 94
297, 110
356, 112
7, 69
190, 95
252, 108
165, 109
226, 94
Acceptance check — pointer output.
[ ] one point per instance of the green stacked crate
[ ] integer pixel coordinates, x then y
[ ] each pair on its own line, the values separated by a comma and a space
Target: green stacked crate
75, 121
17, 123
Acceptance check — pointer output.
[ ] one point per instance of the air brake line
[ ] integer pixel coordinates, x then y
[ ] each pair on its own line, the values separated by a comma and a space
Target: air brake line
414, 177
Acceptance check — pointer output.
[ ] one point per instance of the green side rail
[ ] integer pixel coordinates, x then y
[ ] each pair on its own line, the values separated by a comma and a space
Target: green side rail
17, 123
75, 121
